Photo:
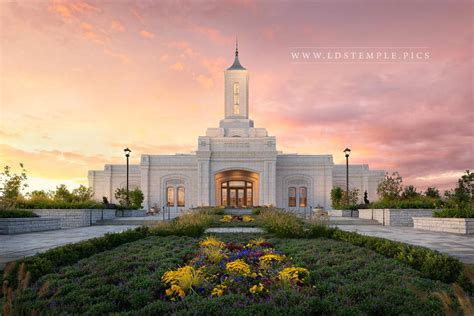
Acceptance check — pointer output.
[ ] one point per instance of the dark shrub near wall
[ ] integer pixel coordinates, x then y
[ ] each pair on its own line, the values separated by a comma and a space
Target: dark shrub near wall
455, 213
26, 204
16, 214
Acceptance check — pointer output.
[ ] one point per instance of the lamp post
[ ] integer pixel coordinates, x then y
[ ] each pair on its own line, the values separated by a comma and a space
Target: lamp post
127, 154
347, 152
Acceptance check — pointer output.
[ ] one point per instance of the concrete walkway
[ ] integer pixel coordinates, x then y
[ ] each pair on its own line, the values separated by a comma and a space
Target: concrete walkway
13, 247
458, 246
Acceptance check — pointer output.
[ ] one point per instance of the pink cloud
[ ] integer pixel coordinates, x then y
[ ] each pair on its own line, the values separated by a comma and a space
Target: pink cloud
146, 34
116, 25
213, 35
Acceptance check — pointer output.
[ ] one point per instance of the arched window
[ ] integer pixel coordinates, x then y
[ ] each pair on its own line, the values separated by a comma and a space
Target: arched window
169, 196
292, 197
236, 98
303, 197
181, 199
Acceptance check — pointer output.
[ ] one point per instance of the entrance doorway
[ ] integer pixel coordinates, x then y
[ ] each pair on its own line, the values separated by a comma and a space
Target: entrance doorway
237, 194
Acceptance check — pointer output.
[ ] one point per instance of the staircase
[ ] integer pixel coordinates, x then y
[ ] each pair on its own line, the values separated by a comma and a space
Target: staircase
238, 211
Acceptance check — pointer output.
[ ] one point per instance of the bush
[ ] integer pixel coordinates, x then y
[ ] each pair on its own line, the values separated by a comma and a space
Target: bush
209, 210
416, 203
50, 204
455, 213
192, 225
16, 214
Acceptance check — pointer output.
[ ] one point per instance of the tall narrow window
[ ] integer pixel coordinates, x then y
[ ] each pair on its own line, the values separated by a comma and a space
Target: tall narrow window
181, 198
303, 197
170, 196
236, 98
291, 197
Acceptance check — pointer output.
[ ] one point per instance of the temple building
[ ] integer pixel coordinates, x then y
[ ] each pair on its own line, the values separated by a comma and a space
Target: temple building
235, 165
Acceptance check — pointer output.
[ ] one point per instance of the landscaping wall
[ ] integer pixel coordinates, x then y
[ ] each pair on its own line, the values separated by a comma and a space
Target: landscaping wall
395, 217
28, 224
70, 218
344, 213
130, 213
463, 226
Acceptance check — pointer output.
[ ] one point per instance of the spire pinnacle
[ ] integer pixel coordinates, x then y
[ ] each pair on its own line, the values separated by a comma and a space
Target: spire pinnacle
236, 47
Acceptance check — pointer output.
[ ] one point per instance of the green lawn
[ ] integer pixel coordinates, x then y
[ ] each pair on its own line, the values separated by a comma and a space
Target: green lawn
344, 280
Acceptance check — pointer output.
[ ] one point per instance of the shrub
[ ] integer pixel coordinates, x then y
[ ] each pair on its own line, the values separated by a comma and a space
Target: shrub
50, 204
455, 213
209, 210
417, 203
281, 223
16, 214
135, 198
191, 224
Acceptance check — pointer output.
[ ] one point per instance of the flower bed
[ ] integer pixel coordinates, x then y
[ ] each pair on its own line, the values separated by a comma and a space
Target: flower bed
219, 268
236, 218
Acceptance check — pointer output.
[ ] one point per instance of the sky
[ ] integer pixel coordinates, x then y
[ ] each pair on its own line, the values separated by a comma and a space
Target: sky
81, 80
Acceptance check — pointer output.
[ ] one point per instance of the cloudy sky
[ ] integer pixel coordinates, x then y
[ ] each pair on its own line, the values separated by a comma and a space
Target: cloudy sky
81, 80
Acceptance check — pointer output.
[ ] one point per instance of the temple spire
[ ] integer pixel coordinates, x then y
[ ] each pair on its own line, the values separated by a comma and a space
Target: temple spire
236, 65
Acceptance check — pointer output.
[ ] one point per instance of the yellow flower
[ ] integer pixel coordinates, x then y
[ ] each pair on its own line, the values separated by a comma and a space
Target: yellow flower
186, 277
214, 254
270, 257
257, 288
226, 219
238, 267
212, 241
174, 291
256, 242
247, 218
218, 290
294, 274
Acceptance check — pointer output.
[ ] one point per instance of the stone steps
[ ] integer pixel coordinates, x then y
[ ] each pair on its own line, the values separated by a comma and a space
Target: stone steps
238, 211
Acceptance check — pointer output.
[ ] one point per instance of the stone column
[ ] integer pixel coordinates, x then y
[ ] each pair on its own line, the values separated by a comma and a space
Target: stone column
145, 181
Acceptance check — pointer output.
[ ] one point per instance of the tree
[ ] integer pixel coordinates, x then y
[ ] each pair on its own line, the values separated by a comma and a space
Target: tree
390, 187
11, 186
62, 194
136, 197
432, 192
336, 197
462, 196
82, 194
409, 192
353, 197
39, 195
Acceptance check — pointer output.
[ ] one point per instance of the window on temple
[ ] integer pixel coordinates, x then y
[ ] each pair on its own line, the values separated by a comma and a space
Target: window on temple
292, 197
170, 196
303, 197
236, 98
181, 198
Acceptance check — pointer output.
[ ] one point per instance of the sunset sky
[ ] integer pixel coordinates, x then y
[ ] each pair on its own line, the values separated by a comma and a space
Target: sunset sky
81, 80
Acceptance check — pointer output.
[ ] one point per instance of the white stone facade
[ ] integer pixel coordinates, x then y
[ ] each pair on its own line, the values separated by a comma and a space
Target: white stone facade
236, 165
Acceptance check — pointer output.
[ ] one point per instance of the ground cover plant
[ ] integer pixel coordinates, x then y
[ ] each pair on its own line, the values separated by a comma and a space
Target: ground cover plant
341, 279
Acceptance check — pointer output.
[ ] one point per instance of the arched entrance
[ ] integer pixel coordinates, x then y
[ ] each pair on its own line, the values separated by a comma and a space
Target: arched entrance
236, 188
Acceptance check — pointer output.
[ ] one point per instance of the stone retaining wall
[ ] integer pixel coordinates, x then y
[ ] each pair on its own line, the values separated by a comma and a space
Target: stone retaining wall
463, 226
343, 213
28, 224
130, 213
70, 218
395, 217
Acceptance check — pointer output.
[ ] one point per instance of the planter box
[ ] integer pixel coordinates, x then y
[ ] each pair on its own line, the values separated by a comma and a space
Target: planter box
28, 225
463, 226
343, 213
70, 218
130, 213
395, 217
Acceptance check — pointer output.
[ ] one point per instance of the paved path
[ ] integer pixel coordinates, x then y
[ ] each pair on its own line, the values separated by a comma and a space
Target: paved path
458, 246
227, 230
13, 247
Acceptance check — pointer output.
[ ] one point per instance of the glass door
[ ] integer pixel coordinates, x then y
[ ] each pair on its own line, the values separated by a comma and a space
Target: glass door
240, 197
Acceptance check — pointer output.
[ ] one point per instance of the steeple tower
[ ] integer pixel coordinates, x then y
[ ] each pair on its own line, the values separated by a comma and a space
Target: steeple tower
236, 89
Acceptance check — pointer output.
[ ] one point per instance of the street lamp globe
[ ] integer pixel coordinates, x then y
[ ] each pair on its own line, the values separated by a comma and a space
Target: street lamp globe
127, 152
347, 152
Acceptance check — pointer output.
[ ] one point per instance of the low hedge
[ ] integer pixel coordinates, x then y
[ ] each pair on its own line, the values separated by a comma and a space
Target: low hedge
418, 203
454, 213
16, 214
59, 205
